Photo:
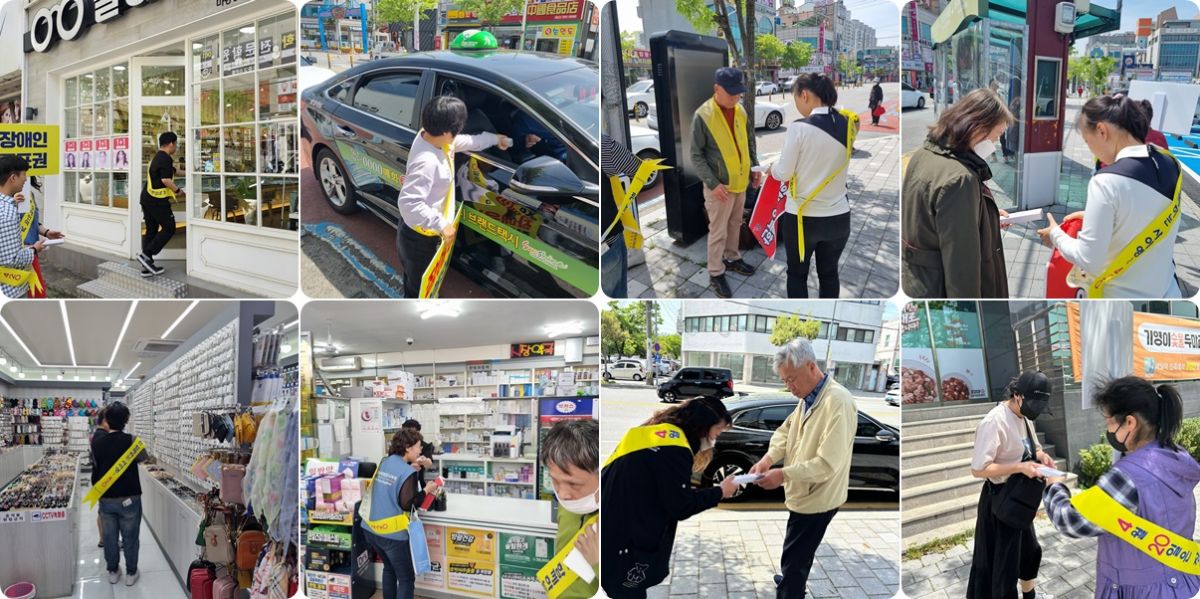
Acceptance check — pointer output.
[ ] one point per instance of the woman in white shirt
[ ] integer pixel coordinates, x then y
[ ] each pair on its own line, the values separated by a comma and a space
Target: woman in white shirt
816, 153
1137, 188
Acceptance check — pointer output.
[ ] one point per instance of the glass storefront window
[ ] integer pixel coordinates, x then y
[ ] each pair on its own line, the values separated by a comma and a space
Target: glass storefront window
72, 92
241, 200
210, 202
95, 120
239, 149
120, 190
277, 41
697, 358
120, 116
204, 59
101, 89
238, 99
120, 80
162, 81
762, 370
72, 122
280, 196
277, 93
734, 362
278, 150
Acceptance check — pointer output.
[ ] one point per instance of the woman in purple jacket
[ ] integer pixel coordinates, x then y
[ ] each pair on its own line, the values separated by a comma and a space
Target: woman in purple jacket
1153, 478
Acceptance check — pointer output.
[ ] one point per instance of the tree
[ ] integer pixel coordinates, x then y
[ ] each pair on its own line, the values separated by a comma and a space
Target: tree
671, 346
769, 48
401, 11
632, 319
788, 328
491, 11
628, 43
721, 17
612, 336
796, 55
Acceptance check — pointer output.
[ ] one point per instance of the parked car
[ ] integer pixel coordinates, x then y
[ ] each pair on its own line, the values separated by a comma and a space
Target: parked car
765, 88
767, 115
911, 97
694, 381
893, 396
644, 145
625, 370
875, 464
639, 97
358, 128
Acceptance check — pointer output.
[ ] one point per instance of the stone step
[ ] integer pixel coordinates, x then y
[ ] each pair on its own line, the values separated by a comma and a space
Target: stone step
103, 289
914, 413
129, 280
942, 424
947, 518
959, 485
918, 442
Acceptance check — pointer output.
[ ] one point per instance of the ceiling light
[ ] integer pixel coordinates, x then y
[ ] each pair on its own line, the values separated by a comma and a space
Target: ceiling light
67, 324
93, 377
59, 377
189, 309
119, 67
558, 329
133, 370
247, 30
20, 341
12, 368
77, 377
108, 378
44, 377
448, 308
121, 337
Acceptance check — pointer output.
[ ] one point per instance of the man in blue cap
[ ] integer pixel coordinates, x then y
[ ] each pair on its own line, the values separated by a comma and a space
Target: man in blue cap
723, 152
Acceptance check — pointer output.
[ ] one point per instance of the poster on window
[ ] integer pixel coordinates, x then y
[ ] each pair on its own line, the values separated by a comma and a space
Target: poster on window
101, 157
266, 52
85, 154
564, 34
120, 151
70, 154
207, 54
287, 47
237, 57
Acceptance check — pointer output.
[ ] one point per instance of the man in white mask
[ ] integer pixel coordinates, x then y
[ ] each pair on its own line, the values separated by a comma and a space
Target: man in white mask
571, 454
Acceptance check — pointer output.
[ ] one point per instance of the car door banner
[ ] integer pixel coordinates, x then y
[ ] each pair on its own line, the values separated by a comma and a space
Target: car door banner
37, 144
431, 281
535, 251
360, 160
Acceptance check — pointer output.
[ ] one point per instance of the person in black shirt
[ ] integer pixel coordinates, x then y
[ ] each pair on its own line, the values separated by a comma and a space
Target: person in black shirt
424, 462
156, 199
615, 159
121, 504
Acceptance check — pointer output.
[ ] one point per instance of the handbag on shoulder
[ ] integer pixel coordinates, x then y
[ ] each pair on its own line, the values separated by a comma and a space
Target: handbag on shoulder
1017, 500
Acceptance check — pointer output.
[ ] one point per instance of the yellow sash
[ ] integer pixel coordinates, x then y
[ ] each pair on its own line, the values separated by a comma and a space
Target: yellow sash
645, 437
851, 133
556, 578
624, 197
161, 193
448, 204
1165, 547
1154, 231
122, 464
16, 277
382, 526
736, 154
435, 273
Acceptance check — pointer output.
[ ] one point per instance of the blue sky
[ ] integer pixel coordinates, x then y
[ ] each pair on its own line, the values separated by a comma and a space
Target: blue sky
882, 15
1131, 10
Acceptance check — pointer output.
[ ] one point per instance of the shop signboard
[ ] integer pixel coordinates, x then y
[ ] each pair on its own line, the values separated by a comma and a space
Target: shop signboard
521, 556
530, 350
1165, 348
69, 20
471, 561
555, 409
565, 34
37, 144
958, 344
549, 10
435, 539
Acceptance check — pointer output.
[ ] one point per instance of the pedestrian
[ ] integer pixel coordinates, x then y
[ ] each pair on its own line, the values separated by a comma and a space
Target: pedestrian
394, 493
121, 503
1152, 478
570, 452
1007, 455
815, 156
1133, 197
647, 481
36, 232
615, 161
17, 276
723, 154
156, 199
815, 444
876, 103
429, 185
950, 221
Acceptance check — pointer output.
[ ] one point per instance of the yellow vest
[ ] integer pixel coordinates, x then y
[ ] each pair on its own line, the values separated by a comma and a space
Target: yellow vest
735, 147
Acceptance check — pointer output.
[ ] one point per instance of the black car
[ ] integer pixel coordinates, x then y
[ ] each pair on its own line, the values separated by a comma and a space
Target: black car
876, 461
693, 381
530, 225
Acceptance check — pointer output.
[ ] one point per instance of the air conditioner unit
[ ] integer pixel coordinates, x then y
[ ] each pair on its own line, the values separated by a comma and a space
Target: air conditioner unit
154, 348
341, 364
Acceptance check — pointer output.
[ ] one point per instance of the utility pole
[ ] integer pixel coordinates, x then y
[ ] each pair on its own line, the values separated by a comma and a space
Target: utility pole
524, 14
649, 342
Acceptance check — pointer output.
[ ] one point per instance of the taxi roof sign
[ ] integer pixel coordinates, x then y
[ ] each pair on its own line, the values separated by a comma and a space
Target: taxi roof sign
474, 39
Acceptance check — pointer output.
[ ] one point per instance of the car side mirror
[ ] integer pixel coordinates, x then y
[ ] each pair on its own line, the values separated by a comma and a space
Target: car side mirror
885, 436
546, 176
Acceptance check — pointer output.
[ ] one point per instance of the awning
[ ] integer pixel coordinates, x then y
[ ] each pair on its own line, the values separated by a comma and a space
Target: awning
959, 14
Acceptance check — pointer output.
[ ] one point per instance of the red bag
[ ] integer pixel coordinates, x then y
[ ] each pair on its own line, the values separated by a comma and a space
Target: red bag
1058, 267
201, 577
224, 588
878, 110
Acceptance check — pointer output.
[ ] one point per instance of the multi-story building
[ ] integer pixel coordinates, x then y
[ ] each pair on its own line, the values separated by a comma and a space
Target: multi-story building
1174, 50
916, 42
878, 63
737, 336
662, 16
887, 353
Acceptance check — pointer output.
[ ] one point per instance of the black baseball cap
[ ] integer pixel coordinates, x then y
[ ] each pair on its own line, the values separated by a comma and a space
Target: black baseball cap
730, 79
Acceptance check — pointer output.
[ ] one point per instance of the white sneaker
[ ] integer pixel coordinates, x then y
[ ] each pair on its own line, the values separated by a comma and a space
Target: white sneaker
131, 578
113, 577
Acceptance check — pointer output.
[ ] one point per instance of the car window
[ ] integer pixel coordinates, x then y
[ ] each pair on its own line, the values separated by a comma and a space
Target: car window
773, 417
712, 375
341, 91
748, 419
392, 96
866, 428
575, 93
640, 86
686, 373
906, 86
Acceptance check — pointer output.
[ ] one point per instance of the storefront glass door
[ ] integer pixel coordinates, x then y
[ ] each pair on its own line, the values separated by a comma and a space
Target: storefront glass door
160, 105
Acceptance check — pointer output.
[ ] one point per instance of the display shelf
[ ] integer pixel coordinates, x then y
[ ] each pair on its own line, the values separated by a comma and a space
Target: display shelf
35, 537
172, 521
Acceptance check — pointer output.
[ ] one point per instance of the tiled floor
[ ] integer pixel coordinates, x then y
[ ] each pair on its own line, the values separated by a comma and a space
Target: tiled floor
156, 580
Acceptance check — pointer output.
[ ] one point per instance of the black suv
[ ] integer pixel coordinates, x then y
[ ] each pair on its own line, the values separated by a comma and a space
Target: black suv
874, 466
697, 382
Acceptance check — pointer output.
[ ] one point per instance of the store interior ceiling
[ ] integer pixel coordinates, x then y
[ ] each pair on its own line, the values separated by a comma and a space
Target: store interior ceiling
107, 340
379, 327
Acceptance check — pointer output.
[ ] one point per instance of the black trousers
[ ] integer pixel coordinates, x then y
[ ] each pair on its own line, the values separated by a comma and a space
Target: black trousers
824, 239
416, 252
1003, 554
804, 534
160, 225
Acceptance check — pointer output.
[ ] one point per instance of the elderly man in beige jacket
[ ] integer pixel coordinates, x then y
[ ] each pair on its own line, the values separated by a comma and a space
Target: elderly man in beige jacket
815, 444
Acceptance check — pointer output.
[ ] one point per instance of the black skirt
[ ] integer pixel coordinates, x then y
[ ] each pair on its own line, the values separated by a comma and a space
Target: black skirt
1003, 554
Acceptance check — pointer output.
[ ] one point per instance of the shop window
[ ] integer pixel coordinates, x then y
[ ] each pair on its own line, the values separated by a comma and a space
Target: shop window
244, 129
734, 362
95, 117
762, 370
391, 97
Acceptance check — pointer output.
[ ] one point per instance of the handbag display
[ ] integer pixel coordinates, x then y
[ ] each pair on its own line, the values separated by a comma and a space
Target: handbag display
1017, 500
249, 545
217, 544
231, 483
225, 587
201, 575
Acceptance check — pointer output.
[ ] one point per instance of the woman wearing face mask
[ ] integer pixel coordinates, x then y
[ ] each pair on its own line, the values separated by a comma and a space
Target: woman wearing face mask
394, 493
1007, 553
571, 455
647, 482
950, 222
1134, 198
1152, 478
815, 155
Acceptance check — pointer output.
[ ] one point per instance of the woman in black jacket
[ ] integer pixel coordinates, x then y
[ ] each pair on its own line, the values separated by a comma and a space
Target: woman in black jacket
875, 100
646, 483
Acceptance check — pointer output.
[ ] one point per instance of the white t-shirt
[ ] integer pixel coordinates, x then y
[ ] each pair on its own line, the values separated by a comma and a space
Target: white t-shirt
1001, 439
812, 154
1118, 208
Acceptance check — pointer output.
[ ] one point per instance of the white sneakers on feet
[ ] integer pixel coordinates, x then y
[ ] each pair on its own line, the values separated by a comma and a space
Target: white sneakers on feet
113, 577
131, 578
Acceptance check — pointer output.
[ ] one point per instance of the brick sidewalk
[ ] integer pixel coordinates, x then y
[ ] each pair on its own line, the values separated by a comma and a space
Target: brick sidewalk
735, 554
869, 265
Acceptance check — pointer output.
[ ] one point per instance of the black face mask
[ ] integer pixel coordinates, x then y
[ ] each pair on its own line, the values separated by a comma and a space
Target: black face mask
1032, 408
1112, 439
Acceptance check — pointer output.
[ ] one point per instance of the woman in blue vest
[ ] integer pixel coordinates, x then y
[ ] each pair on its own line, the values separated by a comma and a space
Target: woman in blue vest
1153, 478
395, 493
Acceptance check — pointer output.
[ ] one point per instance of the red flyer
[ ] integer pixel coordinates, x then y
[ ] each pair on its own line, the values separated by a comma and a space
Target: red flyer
770, 205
